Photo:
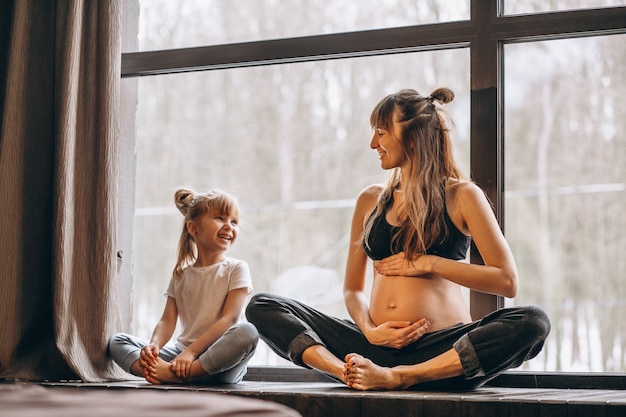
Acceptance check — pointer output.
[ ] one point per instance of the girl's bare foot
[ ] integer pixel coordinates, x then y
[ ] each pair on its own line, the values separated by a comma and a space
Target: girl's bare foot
160, 373
363, 374
137, 369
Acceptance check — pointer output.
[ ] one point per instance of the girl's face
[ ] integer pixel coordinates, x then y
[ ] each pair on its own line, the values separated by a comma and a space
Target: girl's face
388, 145
215, 231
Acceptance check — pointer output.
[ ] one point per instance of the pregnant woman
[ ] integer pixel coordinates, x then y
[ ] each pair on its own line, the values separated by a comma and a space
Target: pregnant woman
416, 229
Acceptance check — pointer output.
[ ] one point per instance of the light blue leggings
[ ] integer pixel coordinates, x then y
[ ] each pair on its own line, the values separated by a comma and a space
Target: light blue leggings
224, 361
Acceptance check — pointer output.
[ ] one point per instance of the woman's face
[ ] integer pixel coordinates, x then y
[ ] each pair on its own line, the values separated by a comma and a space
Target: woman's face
388, 145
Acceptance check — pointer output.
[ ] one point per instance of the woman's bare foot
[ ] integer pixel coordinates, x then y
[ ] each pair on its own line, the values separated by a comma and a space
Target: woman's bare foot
363, 374
160, 373
319, 358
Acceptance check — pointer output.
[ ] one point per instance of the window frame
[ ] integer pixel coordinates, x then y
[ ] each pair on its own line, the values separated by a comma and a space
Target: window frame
485, 34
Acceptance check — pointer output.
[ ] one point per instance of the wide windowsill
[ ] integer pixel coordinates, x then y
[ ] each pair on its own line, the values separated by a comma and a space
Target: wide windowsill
511, 379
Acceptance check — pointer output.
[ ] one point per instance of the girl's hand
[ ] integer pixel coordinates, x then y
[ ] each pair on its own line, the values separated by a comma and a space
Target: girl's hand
397, 334
181, 365
400, 265
148, 356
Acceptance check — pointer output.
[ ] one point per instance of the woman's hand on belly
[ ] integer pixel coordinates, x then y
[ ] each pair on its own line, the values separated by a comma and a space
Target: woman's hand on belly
397, 334
400, 265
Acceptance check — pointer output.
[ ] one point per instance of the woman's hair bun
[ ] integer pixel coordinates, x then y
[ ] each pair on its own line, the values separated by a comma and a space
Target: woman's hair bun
183, 198
443, 95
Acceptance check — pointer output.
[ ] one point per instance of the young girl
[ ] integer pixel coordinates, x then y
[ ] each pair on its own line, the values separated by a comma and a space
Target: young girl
207, 292
415, 328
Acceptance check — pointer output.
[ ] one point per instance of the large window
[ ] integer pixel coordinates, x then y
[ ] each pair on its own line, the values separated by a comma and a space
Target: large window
292, 143
282, 122
566, 193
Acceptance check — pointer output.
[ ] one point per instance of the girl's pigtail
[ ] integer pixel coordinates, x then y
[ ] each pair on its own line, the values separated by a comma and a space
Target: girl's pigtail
184, 199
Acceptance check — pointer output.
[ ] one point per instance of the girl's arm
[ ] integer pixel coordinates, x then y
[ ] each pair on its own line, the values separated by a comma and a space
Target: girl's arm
164, 329
161, 334
233, 306
498, 275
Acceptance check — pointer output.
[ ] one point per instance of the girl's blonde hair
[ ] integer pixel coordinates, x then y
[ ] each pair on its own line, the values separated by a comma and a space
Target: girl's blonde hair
193, 205
428, 150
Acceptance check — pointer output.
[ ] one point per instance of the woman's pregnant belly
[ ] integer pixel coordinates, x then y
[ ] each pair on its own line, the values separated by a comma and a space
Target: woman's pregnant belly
413, 298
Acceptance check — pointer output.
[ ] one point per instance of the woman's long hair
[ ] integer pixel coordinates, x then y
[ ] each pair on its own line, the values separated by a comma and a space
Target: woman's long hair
194, 205
430, 163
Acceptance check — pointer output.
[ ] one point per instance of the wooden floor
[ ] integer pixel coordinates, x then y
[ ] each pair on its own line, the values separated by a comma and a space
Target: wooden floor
324, 399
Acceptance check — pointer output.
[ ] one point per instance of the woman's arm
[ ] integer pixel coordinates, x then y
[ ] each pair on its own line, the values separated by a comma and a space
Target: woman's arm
394, 334
356, 264
498, 275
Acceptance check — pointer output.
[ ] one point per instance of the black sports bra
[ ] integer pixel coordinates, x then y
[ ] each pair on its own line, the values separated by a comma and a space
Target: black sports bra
453, 246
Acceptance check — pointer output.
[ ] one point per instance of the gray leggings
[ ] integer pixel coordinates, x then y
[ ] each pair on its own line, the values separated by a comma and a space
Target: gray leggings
487, 347
224, 361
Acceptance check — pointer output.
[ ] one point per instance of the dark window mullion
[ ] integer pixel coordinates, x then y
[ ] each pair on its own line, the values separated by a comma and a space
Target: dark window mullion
485, 152
446, 35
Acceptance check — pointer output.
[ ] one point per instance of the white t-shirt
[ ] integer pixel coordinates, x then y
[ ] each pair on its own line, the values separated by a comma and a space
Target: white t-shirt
200, 294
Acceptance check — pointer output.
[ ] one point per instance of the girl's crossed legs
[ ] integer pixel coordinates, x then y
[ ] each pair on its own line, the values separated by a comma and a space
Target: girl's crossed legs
224, 362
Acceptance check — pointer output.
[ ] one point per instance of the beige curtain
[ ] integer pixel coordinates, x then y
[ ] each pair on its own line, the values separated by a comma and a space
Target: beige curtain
58, 142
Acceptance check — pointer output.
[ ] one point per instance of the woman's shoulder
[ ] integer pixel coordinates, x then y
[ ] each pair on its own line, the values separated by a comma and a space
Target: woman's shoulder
371, 192
463, 198
460, 190
368, 196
